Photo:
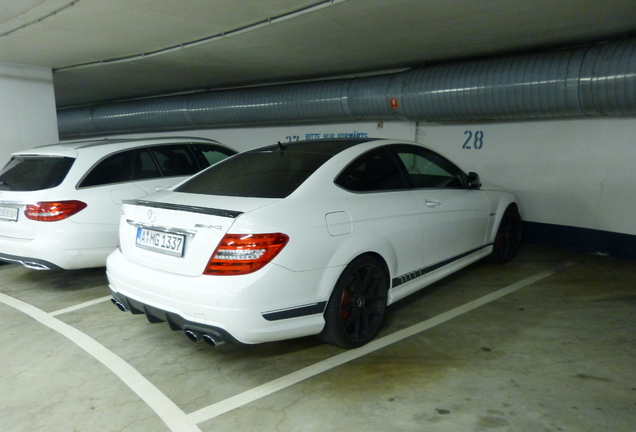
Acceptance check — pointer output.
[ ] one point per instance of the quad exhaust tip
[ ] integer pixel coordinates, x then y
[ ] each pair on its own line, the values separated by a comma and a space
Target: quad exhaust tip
213, 340
195, 336
120, 305
210, 339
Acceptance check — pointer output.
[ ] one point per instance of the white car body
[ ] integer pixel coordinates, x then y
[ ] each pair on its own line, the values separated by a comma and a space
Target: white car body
328, 228
86, 238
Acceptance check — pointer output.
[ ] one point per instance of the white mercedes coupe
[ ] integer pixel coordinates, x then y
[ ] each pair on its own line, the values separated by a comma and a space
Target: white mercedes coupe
310, 238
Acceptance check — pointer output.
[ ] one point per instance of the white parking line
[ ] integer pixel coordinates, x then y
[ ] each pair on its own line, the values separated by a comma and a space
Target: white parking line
174, 417
167, 410
248, 396
80, 306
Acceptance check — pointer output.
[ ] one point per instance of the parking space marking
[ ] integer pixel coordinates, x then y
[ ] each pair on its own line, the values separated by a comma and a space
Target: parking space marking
261, 391
175, 418
168, 411
80, 306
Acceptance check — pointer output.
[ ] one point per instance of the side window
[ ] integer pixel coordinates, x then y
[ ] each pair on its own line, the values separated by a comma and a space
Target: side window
427, 169
212, 154
144, 166
116, 168
175, 160
372, 171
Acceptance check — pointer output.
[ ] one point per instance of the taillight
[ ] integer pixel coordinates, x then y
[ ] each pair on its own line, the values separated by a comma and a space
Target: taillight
239, 254
52, 211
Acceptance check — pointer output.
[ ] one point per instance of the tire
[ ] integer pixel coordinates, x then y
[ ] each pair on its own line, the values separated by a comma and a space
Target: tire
357, 306
508, 238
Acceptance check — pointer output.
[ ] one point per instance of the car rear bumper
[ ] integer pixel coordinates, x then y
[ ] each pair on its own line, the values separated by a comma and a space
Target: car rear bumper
175, 321
61, 245
271, 304
32, 263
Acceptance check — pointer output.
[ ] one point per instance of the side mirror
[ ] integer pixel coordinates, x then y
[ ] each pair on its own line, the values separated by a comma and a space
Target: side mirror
473, 180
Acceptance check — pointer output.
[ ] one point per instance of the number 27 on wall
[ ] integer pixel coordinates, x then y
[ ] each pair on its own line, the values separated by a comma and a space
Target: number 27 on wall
474, 141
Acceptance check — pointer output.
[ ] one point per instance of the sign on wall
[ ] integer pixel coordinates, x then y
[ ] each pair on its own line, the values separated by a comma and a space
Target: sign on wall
248, 138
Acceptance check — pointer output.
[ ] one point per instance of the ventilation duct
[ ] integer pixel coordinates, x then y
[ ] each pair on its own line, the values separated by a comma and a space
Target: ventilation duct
599, 80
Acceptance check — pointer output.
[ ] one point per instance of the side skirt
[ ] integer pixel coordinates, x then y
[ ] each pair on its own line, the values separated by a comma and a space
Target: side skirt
403, 285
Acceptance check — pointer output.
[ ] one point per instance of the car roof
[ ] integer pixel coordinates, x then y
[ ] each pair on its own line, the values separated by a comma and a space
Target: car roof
328, 146
69, 148
108, 141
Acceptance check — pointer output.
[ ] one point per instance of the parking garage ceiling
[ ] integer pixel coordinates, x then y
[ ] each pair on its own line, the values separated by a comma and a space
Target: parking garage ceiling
112, 50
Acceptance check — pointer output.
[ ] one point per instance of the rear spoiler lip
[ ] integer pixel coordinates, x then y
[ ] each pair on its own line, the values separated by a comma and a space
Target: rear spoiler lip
233, 214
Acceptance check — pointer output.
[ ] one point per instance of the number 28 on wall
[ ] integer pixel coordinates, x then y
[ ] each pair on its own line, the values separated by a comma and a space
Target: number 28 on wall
474, 141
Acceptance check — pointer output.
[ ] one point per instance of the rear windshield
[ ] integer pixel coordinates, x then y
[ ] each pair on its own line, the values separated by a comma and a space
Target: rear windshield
263, 174
32, 173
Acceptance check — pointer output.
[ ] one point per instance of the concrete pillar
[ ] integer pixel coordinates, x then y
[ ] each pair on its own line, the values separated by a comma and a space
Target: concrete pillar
27, 108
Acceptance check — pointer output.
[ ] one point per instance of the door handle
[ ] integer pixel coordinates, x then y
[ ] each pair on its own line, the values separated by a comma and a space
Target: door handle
433, 203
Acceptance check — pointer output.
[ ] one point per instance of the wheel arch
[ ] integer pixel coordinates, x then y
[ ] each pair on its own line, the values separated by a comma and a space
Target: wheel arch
508, 235
380, 258
353, 248
503, 205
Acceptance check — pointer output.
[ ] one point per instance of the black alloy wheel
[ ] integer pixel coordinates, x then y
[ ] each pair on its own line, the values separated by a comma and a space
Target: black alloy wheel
508, 238
356, 309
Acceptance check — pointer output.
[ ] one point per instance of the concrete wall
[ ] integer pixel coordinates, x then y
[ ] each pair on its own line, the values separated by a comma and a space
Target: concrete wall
575, 179
578, 173
28, 115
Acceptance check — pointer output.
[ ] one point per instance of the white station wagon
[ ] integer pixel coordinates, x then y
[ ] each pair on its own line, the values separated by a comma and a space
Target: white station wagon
310, 238
60, 204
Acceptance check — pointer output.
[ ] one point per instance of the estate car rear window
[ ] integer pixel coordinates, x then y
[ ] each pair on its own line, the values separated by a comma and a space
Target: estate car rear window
32, 173
261, 174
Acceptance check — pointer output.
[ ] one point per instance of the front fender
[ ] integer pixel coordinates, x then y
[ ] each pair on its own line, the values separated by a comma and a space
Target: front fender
499, 203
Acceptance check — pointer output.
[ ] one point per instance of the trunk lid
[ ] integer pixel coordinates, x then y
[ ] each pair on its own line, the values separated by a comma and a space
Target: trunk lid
178, 232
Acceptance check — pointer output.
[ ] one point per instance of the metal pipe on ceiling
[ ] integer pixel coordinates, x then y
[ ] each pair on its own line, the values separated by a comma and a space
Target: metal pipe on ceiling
597, 80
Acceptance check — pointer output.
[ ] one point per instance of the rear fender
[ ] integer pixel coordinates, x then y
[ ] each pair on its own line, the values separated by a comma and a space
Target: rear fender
351, 248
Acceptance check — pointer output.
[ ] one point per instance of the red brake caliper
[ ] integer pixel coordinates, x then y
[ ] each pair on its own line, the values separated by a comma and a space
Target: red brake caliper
344, 306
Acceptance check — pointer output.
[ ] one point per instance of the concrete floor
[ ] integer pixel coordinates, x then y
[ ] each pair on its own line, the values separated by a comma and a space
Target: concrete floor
546, 342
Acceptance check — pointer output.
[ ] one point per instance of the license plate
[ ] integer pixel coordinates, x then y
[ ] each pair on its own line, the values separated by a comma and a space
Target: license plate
9, 213
162, 242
